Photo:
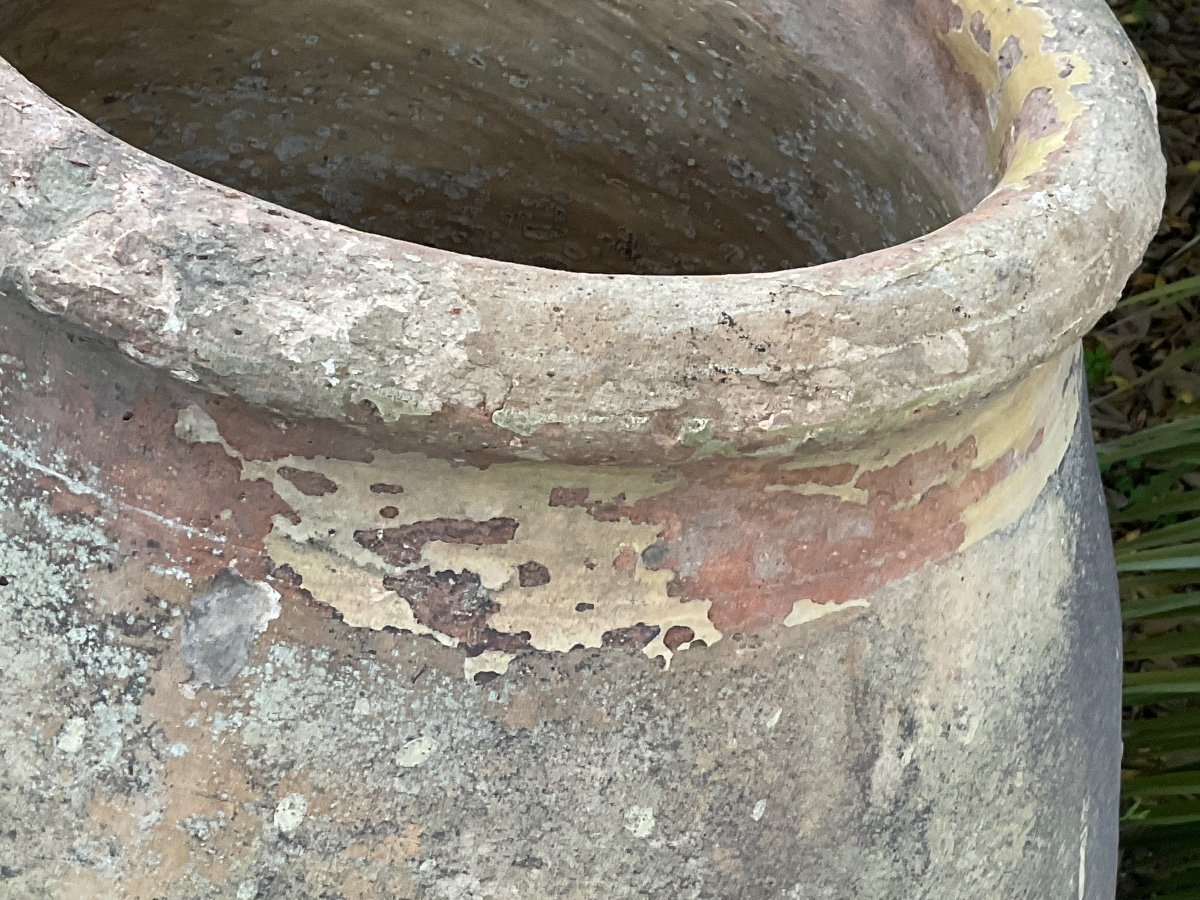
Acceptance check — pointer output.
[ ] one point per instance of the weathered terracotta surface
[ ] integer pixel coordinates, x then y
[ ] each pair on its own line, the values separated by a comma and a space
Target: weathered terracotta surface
333, 564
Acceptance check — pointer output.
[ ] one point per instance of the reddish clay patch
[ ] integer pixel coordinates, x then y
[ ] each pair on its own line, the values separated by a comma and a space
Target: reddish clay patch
533, 574
827, 476
455, 604
1038, 117
602, 510
261, 435
1009, 56
635, 637
65, 503
1036, 443
313, 484
981, 33
947, 15
179, 504
199, 486
913, 476
561, 496
401, 546
753, 552
677, 636
382, 487
626, 561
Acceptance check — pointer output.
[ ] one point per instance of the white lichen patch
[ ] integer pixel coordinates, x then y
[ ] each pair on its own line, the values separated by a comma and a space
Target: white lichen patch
71, 723
71, 735
416, 752
639, 821
290, 812
526, 423
947, 353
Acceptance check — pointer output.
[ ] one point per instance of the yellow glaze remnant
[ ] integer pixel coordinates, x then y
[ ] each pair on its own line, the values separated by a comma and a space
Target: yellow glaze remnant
495, 661
586, 595
806, 611
1018, 32
1047, 403
564, 572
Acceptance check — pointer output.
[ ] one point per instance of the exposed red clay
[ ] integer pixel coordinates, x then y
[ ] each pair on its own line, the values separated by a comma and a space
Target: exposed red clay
314, 484
176, 503
626, 561
980, 31
455, 604
635, 637
754, 553
677, 636
383, 488
402, 545
736, 533
532, 574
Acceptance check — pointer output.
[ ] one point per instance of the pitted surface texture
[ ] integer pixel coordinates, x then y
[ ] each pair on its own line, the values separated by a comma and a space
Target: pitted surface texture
345, 762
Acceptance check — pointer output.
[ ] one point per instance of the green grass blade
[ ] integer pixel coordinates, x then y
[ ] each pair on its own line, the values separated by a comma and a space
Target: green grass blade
1174, 558
1188, 562
1134, 586
1173, 784
1151, 607
1165, 646
1155, 509
1170, 436
1172, 732
1142, 687
1179, 549
1176, 533
1179, 843
1159, 297
1163, 722
1186, 812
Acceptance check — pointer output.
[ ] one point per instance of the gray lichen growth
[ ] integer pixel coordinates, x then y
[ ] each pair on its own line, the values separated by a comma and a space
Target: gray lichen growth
222, 625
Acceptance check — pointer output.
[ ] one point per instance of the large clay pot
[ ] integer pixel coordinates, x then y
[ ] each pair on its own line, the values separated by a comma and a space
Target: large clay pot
725, 526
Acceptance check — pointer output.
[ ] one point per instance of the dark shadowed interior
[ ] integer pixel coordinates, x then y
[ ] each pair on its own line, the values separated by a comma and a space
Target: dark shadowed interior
589, 135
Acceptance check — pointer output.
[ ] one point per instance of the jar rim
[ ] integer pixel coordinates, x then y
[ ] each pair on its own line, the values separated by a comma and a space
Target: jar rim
315, 319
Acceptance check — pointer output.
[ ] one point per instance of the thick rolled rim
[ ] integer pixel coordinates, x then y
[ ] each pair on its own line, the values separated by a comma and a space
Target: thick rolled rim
315, 319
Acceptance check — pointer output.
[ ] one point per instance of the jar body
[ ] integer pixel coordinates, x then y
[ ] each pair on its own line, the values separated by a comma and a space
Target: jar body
252, 657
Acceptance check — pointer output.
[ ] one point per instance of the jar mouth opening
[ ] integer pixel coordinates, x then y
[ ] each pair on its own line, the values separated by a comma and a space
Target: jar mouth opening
1037, 115
611, 138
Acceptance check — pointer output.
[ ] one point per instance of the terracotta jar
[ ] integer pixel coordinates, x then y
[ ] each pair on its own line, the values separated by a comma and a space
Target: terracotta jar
584, 449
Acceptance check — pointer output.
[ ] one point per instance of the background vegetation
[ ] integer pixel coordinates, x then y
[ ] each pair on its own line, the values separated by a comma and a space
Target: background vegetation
1144, 372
